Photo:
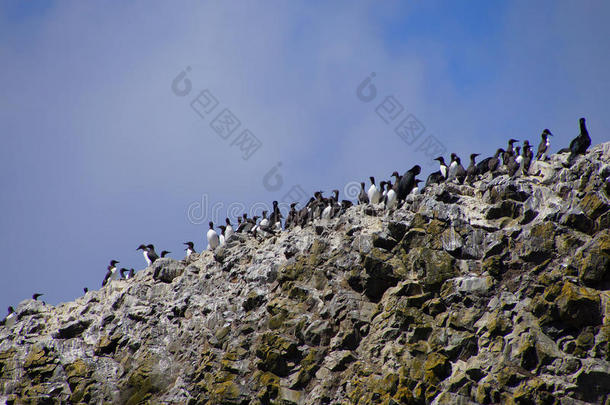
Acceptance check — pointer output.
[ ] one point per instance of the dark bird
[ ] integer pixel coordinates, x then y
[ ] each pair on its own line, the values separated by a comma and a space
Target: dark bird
512, 166
85, 290
145, 252
509, 152
276, 217
545, 144
10, 319
407, 182
123, 271
363, 197
36, 295
581, 143
494, 162
291, 217
132, 272
473, 171
528, 155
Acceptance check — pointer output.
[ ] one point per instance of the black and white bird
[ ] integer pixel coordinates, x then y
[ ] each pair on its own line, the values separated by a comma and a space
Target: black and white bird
190, 248
440, 175
85, 290
112, 273
545, 144
456, 170
452, 167
212, 236
11, 318
123, 271
228, 230
221, 237
373, 193
391, 198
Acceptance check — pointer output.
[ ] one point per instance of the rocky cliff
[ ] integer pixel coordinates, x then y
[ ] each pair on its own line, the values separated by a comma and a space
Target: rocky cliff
496, 293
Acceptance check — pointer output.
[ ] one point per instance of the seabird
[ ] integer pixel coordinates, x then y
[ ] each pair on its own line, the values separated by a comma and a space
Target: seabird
144, 250
456, 170
512, 166
407, 182
440, 175
509, 152
415, 190
222, 234
228, 230
123, 271
11, 318
326, 212
374, 194
132, 272
291, 217
112, 274
190, 248
581, 143
391, 198
473, 170
212, 236
36, 295
494, 162
265, 223
276, 217
528, 155
85, 290
363, 197
152, 255
545, 144
452, 167
244, 224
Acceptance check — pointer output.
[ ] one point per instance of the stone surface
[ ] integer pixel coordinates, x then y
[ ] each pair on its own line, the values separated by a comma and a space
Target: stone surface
495, 293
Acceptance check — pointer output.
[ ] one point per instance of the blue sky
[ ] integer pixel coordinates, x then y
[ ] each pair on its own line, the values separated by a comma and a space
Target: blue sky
99, 155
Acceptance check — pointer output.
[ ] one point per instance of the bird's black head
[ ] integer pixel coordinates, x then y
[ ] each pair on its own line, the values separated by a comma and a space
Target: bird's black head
292, 205
85, 290
142, 247
114, 262
245, 216
453, 156
36, 295
474, 155
547, 132
395, 174
189, 244
582, 120
275, 203
511, 141
440, 159
255, 218
415, 169
362, 184
417, 181
265, 214
372, 179
11, 310
526, 143
165, 252
212, 223
222, 227
227, 221
151, 247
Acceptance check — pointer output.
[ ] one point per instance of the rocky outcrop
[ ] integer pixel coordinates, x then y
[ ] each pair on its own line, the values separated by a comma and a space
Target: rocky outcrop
497, 293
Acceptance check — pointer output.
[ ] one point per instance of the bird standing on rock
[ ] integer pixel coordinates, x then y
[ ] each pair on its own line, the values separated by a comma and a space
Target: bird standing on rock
374, 194
363, 197
581, 143
212, 236
472, 171
112, 274
407, 182
545, 144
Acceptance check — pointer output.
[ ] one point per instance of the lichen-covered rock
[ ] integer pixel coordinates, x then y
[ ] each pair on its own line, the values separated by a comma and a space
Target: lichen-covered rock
492, 293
